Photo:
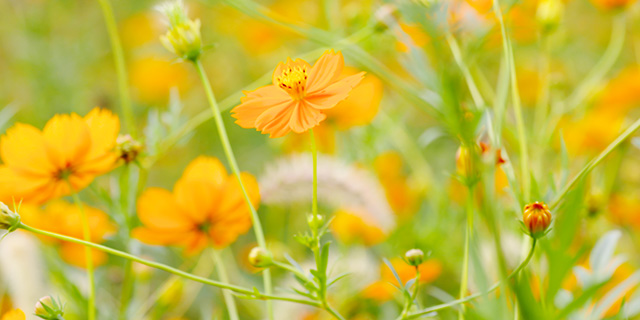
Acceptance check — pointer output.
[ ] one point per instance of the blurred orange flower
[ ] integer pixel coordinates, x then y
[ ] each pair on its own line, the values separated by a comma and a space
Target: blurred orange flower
15, 314
402, 198
65, 218
612, 4
382, 290
298, 97
153, 78
589, 135
206, 205
625, 210
62, 158
349, 227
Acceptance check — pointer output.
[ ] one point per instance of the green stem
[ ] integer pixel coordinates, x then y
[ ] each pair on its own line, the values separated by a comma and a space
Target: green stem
121, 71
409, 303
517, 107
467, 241
457, 56
226, 145
314, 154
524, 263
128, 279
222, 274
86, 234
593, 163
248, 293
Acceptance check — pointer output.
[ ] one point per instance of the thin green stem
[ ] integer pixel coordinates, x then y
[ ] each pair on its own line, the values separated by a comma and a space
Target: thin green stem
314, 154
457, 56
245, 292
409, 303
521, 266
517, 107
467, 242
222, 275
128, 279
595, 162
226, 145
86, 234
121, 70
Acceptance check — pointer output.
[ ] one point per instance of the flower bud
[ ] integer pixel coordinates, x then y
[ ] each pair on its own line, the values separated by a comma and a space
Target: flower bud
315, 221
549, 14
465, 166
536, 218
9, 220
414, 257
127, 148
183, 37
260, 258
48, 308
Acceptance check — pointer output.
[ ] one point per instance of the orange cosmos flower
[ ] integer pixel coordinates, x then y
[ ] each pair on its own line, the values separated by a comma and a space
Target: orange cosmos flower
15, 314
383, 290
206, 205
65, 218
349, 227
298, 97
70, 150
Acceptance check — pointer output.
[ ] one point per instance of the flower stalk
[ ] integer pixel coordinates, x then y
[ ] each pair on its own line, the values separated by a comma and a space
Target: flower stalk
86, 234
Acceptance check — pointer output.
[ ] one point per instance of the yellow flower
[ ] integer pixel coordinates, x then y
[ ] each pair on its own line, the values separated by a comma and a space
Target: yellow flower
625, 210
536, 218
65, 218
382, 290
588, 135
402, 197
622, 93
206, 206
362, 104
139, 29
153, 78
15, 314
349, 227
61, 159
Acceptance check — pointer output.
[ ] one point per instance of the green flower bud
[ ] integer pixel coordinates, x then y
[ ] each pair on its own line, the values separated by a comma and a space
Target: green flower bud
414, 257
49, 309
260, 258
9, 220
183, 37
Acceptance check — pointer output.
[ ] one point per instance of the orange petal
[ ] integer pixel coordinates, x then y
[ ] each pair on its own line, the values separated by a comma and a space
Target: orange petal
15, 314
75, 254
232, 197
23, 147
195, 242
17, 185
330, 96
196, 199
275, 121
305, 117
225, 233
159, 236
67, 139
205, 168
103, 128
157, 209
325, 71
257, 102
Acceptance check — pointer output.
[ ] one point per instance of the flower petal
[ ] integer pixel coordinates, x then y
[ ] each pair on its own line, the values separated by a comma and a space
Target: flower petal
17, 185
67, 139
23, 147
325, 71
305, 117
257, 102
158, 210
330, 96
75, 254
205, 168
275, 121
160, 237
103, 128
232, 198
196, 198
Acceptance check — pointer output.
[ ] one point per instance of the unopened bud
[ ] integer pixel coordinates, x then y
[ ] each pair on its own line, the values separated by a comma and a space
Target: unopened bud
315, 221
414, 257
549, 14
183, 37
48, 308
260, 258
9, 220
128, 148
536, 218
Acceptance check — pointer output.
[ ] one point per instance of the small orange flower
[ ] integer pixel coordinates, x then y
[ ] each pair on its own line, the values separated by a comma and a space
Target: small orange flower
612, 4
298, 97
65, 218
350, 227
536, 217
207, 205
37, 164
382, 290
15, 314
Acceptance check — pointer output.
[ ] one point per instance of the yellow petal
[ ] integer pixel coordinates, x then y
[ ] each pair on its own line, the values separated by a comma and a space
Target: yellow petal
158, 209
23, 148
67, 140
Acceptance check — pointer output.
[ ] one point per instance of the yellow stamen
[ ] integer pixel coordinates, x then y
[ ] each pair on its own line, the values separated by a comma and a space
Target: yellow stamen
293, 80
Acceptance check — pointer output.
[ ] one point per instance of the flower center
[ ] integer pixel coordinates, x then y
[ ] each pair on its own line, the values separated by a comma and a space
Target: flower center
64, 174
293, 80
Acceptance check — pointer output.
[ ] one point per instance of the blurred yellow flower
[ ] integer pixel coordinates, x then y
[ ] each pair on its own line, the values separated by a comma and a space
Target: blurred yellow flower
15, 314
153, 78
206, 206
382, 290
349, 227
325, 136
588, 135
402, 198
65, 218
362, 104
140, 29
298, 97
625, 210
418, 36
62, 158
622, 93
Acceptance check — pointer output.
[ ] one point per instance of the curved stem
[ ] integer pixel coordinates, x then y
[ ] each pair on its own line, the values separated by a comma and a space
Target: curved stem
517, 108
222, 275
515, 272
86, 234
246, 293
121, 71
226, 145
593, 163
457, 56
